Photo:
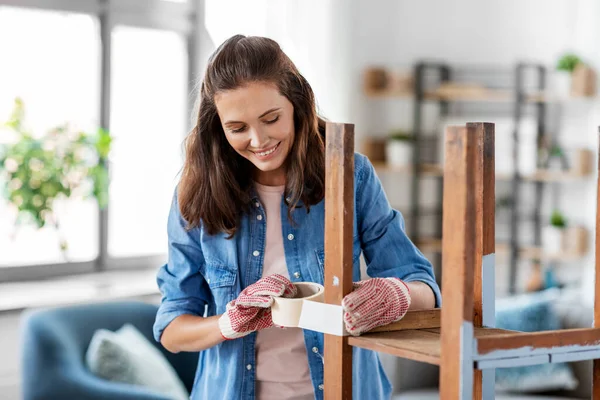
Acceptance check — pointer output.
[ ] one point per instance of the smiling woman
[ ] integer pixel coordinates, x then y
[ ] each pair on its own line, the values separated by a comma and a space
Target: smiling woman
256, 154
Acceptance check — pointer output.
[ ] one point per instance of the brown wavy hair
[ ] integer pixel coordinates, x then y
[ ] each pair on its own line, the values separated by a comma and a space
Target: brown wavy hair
216, 182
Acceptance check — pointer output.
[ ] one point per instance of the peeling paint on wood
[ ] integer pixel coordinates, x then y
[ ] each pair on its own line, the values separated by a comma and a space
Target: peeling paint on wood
489, 294
466, 361
513, 362
522, 344
488, 384
575, 356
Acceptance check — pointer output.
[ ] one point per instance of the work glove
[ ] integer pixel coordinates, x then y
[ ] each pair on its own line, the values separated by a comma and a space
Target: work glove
375, 302
251, 311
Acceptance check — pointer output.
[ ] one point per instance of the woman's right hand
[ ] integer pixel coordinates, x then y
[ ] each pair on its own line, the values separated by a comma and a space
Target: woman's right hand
251, 311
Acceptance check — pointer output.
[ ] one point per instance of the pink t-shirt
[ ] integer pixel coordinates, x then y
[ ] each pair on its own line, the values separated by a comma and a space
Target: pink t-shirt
282, 370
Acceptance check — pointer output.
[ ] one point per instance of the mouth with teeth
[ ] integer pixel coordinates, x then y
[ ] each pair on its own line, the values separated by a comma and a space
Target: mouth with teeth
267, 153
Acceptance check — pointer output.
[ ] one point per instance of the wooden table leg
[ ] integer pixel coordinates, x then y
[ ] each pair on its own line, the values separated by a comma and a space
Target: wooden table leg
459, 252
483, 275
596, 368
339, 213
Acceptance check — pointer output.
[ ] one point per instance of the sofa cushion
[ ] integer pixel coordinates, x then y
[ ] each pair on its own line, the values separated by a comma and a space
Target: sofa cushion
126, 356
433, 394
532, 312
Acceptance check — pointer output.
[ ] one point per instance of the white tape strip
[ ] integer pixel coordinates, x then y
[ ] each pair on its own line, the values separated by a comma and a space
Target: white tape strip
324, 318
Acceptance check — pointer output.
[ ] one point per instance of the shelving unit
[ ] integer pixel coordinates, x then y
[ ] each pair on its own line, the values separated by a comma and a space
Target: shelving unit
445, 93
540, 112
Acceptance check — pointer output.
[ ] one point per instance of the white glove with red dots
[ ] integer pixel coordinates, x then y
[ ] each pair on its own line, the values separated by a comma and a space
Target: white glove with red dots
251, 311
375, 302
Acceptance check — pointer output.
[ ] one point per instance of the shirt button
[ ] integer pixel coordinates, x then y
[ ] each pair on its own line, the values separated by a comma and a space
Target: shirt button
290, 237
208, 280
296, 274
249, 367
256, 204
259, 217
315, 350
288, 199
255, 253
321, 386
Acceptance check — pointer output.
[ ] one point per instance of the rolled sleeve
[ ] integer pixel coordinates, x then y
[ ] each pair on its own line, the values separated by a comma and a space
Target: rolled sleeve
180, 281
387, 249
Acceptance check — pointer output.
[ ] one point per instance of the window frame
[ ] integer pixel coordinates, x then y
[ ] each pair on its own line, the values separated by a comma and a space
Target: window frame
180, 17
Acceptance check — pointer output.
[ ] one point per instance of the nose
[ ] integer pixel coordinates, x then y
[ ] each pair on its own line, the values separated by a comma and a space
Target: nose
258, 138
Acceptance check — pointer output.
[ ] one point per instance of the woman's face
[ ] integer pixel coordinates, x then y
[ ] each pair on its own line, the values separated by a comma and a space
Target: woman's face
259, 124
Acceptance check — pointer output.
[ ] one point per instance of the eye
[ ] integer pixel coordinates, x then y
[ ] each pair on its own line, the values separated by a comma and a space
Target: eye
272, 121
238, 130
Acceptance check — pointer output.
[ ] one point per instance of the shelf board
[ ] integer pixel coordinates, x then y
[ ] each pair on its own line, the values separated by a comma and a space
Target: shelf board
425, 211
532, 252
412, 320
487, 95
429, 244
381, 94
554, 176
415, 344
426, 169
436, 170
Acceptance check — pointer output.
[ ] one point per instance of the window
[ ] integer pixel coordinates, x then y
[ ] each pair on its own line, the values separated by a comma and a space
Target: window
148, 116
55, 69
142, 95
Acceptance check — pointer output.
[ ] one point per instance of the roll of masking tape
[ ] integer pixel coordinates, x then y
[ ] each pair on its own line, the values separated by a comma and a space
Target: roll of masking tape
286, 311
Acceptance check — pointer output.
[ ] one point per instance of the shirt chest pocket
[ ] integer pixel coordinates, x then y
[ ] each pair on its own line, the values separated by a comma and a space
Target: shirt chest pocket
320, 257
222, 282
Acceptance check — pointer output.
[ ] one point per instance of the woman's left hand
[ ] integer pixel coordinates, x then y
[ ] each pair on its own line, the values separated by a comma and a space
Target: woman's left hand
375, 302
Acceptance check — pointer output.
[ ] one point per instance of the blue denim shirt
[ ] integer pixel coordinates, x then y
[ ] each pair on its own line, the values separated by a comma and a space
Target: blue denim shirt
205, 272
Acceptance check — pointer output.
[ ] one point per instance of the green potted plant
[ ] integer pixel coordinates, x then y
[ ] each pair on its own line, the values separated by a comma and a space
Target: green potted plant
574, 77
555, 158
553, 234
399, 148
561, 80
63, 163
568, 62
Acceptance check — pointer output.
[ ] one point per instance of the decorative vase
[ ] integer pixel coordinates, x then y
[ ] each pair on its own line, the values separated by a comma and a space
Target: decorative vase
561, 84
552, 239
554, 164
398, 153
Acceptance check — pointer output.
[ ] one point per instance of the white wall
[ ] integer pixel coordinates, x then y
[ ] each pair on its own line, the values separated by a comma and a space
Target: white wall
465, 31
313, 33
494, 33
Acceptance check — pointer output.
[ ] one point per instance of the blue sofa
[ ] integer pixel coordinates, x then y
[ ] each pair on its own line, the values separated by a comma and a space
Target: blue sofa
54, 343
